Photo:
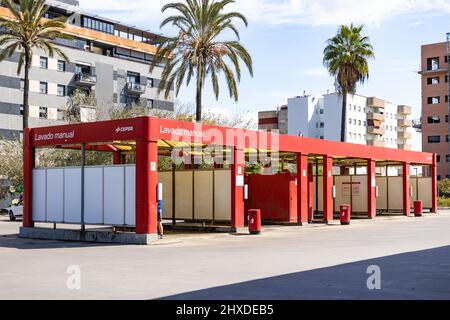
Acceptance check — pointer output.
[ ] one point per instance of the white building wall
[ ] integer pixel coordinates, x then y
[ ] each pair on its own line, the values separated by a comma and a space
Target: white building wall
302, 116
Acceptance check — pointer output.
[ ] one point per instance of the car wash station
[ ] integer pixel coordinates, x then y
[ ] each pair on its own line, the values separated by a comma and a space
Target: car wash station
209, 176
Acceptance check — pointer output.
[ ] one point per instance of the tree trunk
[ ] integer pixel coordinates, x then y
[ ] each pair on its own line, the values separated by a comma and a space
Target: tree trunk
344, 115
198, 111
26, 91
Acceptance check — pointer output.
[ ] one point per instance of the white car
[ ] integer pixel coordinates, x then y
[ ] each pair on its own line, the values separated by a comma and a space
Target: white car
15, 210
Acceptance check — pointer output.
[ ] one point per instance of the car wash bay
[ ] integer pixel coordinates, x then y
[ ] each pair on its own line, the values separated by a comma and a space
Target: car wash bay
305, 179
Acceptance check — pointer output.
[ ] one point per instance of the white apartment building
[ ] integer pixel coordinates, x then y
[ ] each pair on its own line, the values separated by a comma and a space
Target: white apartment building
370, 121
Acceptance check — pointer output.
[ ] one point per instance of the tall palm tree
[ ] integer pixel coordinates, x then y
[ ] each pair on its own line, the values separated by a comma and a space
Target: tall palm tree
198, 49
26, 31
346, 58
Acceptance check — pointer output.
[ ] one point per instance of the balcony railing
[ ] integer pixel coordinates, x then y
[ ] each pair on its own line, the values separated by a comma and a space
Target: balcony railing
85, 79
374, 130
404, 123
404, 146
376, 116
405, 135
135, 88
376, 143
405, 110
376, 103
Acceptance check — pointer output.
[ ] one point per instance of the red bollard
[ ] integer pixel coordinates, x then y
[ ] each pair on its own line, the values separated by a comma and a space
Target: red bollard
418, 208
344, 213
254, 221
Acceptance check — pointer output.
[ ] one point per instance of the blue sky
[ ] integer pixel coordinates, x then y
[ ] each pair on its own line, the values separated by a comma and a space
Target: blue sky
286, 39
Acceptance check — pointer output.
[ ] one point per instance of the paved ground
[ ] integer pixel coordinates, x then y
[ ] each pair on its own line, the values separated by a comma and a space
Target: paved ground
312, 262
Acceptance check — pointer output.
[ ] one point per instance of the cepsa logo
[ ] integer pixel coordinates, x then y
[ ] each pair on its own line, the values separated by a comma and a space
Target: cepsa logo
124, 129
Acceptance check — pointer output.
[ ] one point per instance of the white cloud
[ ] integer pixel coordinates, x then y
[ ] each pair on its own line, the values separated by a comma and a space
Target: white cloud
276, 12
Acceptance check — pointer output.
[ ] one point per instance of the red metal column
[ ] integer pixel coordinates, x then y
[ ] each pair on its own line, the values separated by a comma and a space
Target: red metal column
237, 189
28, 164
406, 189
146, 186
371, 190
116, 158
302, 188
327, 188
434, 194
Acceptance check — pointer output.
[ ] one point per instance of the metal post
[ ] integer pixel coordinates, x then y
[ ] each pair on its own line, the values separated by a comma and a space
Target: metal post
83, 163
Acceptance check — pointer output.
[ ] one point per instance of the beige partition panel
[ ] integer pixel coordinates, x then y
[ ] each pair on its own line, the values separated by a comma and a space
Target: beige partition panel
342, 184
183, 195
414, 195
166, 179
359, 194
395, 193
222, 195
203, 195
320, 193
425, 186
382, 198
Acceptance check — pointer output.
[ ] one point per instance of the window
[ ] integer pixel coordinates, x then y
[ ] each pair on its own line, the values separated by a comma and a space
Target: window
359, 122
321, 111
446, 99
439, 177
433, 80
22, 84
364, 123
434, 100
438, 158
133, 77
43, 87
446, 118
61, 90
434, 119
150, 104
43, 113
447, 138
61, 66
322, 125
150, 82
447, 158
98, 25
433, 63
349, 120
43, 63
21, 110
359, 109
446, 79
321, 137
354, 121
434, 139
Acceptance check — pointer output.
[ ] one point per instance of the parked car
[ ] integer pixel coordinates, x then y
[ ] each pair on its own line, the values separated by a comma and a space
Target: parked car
16, 209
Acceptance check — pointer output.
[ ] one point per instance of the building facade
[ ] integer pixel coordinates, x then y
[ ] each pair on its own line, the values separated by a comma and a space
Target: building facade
435, 104
107, 58
369, 121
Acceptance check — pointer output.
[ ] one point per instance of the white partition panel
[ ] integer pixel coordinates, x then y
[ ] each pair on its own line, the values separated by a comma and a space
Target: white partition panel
426, 191
343, 186
130, 195
166, 179
39, 199
203, 195
222, 195
114, 195
359, 194
184, 194
93, 195
72, 195
55, 195
395, 193
382, 193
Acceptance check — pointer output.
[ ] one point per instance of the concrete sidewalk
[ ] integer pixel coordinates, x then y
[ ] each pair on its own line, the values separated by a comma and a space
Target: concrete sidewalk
282, 259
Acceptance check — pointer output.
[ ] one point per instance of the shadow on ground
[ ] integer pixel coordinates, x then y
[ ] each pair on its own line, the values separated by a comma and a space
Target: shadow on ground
415, 275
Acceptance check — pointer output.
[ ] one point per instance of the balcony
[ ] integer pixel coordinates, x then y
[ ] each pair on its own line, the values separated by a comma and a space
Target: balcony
376, 103
85, 79
404, 146
405, 110
374, 130
135, 88
376, 143
375, 116
404, 123
405, 135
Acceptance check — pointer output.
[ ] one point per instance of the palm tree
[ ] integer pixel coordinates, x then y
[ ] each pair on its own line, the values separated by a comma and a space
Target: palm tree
345, 57
28, 30
198, 51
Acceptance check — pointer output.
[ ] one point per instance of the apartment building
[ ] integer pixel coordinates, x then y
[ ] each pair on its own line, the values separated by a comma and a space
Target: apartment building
435, 104
274, 120
369, 121
108, 58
